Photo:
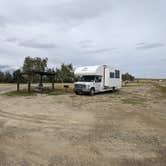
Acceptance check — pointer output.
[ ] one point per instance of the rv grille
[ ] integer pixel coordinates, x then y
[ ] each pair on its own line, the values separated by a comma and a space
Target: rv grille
79, 86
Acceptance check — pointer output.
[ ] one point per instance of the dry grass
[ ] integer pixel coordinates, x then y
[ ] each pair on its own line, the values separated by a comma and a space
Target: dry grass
134, 100
161, 89
20, 93
59, 90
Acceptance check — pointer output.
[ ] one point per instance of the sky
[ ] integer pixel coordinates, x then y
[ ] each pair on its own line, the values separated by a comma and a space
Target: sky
127, 34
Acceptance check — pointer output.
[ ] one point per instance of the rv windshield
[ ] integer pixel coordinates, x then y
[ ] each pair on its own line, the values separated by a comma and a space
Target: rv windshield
87, 78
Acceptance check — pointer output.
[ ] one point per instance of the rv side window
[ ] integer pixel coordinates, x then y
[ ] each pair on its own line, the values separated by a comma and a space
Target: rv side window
117, 74
112, 74
98, 79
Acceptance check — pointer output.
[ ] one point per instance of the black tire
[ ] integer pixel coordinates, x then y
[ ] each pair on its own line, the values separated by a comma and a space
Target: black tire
92, 92
76, 93
113, 89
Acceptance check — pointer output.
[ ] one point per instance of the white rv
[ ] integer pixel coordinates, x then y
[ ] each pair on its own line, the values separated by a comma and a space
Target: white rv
95, 79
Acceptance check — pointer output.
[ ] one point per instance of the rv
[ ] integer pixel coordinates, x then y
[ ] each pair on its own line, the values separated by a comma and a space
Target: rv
95, 79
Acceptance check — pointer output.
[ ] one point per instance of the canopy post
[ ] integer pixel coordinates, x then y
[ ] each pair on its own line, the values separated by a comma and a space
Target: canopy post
29, 83
53, 81
29, 86
41, 81
18, 83
18, 86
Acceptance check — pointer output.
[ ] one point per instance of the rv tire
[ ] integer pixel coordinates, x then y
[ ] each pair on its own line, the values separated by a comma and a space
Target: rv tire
77, 93
113, 89
92, 92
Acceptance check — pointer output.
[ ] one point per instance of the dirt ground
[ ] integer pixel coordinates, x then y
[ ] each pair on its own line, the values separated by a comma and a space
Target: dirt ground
126, 128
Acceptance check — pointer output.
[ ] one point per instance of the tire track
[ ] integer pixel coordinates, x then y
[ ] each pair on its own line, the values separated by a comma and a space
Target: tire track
32, 119
60, 122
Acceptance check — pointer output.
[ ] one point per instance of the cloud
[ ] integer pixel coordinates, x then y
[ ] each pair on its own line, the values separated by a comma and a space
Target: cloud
86, 44
163, 60
23, 12
36, 28
146, 46
3, 20
11, 39
31, 43
5, 67
84, 9
37, 45
140, 43
103, 50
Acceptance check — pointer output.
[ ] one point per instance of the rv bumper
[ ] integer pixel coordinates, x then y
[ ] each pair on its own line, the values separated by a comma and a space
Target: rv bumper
81, 90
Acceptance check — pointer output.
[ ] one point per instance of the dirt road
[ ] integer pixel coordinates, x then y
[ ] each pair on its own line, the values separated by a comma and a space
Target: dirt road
114, 129
6, 87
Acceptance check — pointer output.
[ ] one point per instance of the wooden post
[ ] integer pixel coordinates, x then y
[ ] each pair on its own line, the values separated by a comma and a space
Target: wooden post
29, 83
18, 86
29, 86
41, 81
53, 87
66, 87
18, 83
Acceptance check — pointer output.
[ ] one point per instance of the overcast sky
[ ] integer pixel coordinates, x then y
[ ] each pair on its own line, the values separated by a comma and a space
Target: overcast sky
129, 34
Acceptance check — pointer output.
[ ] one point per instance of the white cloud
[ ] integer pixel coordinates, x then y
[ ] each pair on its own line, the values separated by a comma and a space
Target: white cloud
86, 32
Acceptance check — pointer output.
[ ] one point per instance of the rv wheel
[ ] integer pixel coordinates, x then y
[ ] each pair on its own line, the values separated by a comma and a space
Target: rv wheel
76, 93
92, 92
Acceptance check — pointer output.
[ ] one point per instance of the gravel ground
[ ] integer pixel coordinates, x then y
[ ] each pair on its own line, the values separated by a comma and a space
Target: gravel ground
126, 128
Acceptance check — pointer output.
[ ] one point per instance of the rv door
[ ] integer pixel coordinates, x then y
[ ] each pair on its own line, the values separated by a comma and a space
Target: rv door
98, 83
106, 75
